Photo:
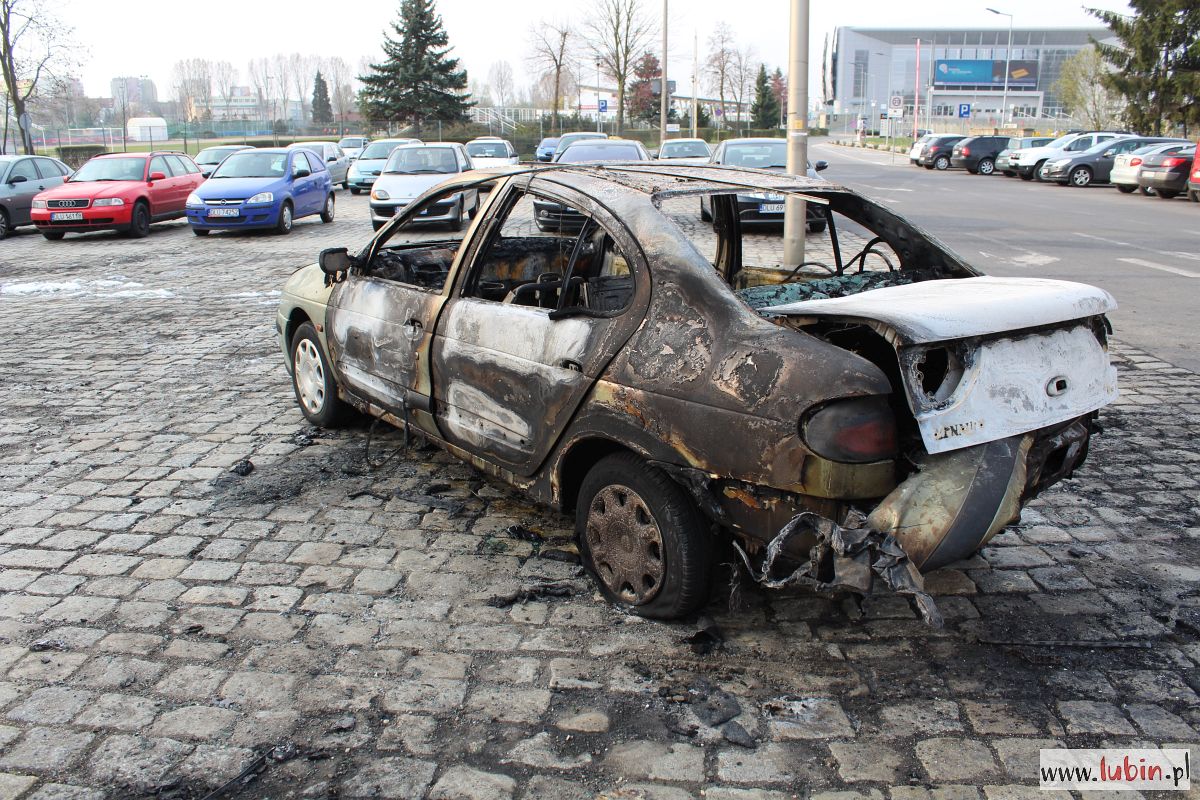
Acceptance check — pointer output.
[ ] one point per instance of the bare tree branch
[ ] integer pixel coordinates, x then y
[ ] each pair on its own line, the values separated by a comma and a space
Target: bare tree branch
619, 32
551, 46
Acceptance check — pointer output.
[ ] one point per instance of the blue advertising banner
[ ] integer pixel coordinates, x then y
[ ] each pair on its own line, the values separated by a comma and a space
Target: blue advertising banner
965, 72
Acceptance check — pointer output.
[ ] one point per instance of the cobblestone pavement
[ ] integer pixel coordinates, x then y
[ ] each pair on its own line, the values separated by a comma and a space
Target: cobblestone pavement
166, 624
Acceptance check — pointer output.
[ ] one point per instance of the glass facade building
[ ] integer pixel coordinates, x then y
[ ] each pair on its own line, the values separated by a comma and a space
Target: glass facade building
866, 67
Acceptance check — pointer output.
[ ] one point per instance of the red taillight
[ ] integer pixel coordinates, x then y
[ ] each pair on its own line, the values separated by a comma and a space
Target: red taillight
933, 148
855, 431
1174, 162
1196, 174
966, 151
1133, 162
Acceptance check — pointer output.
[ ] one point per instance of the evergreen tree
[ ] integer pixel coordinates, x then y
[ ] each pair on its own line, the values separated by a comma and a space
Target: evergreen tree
765, 109
417, 80
322, 109
641, 102
779, 88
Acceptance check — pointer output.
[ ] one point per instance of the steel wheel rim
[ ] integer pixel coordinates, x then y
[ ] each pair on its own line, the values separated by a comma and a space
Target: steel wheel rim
310, 376
626, 544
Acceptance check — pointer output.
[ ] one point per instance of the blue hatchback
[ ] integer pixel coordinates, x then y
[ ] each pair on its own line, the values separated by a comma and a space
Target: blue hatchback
263, 188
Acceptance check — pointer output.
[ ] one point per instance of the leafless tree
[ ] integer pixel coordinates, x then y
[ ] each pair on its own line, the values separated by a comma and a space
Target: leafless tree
280, 85
259, 72
341, 88
301, 69
719, 64
619, 32
500, 82
34, 45
480, 92
225, 77
742, 78
551, 46
193, 83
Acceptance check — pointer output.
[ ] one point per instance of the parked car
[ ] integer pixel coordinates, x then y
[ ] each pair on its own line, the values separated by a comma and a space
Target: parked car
1094, 165
269, 188
353, 146
413, 168
1167, 173
756, 208
977, 154
1125, 169
21, 179
336, 160
601, 150
1194, 183
1028, 162
624, 376
685, 151
119, 191
370, 162
914, 152
492, 151
208, 158
545, 148
936, 152
566, 139
1003, 164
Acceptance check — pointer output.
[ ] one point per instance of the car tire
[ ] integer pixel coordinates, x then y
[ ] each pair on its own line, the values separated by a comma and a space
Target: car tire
139, 221
972, 170
1193, 196
4, 230
327, 211
986, 166
643, 538
816, 227
285, 223
312, 380
1125, 188
1025, 176
1146, 191
1008, 173
1166, 194
704, 215
1080, 177
355, 190
941, 163
53, 236
1037, 172
376, 224
201, 231
456, 224
345, 184
928, 166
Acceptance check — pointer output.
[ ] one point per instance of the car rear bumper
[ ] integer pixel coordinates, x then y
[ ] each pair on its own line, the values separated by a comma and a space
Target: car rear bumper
964, 162
1163, 179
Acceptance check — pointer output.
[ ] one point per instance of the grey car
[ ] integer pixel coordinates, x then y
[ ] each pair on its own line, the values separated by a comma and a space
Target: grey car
22, 177
565, 140
336, 160
210, 158
370, 162
1095, 164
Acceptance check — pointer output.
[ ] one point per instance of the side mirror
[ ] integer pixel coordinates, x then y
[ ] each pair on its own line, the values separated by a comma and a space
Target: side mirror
334, 261
15, 179
301, 173
1109, 153
331, 159
820, 165
157, 176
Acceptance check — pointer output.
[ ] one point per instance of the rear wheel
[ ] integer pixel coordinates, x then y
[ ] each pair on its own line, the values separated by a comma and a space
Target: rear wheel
643, 538
1193, 195
1125, 188
285, 222
312, 380
139, 221
986, 166
1008, 173
1080, 177
53, 236
1037, 171
1026, 176
941, 163
1166, 194
456, 224
327, 212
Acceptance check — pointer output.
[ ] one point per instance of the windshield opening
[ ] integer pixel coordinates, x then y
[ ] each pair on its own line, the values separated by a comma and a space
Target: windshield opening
252, 165
487, 150
212, 155
379, 149
422, 161
111, 169
351, 141
683, 150
768, 155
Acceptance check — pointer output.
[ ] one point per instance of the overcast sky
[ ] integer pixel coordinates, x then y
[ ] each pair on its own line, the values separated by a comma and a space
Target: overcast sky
129, 42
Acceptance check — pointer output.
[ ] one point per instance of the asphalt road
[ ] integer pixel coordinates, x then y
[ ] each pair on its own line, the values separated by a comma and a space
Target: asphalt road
1144, 250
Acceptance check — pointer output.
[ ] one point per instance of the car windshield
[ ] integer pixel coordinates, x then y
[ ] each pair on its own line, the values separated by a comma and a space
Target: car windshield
1062, 141
111, 169
422, 161
567, 140
599, 152
351, 141
548, 142
253, 165
683, 150
487, 149
379, 149
765, 155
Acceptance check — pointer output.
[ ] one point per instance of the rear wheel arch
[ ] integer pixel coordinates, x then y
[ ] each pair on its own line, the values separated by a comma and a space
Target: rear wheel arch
579, 459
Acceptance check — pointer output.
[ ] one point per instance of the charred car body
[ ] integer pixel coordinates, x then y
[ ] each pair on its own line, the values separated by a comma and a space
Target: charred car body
881, 408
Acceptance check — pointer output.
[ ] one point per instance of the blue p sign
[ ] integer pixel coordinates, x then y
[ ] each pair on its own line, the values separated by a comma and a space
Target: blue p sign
603, 106
964, 110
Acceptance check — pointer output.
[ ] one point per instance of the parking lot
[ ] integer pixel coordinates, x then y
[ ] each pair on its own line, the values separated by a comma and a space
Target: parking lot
344, 620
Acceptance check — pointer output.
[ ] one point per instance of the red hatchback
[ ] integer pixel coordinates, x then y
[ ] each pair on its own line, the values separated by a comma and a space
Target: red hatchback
118, 191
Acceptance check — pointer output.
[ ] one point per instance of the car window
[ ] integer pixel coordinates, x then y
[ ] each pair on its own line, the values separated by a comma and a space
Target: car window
49, 168
189, 165
549, 255
300, 162
422, 161
413, 254
159, 164
177, 167
314, 162
25, 168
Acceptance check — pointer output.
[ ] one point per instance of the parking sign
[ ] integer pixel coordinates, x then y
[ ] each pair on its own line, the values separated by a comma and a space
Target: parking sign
603, 106
964, 110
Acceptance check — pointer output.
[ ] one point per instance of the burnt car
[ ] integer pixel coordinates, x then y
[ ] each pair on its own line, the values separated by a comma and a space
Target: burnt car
879, 408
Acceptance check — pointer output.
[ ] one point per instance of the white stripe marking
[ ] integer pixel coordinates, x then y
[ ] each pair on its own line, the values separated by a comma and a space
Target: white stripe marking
1163, 267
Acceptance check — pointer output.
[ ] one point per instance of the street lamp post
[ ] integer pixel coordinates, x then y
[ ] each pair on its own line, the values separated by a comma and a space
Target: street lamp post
1007, 62
664, 98
598, 96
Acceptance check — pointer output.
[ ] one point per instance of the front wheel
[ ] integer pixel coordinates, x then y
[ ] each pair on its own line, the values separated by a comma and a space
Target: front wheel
312, 380
355, 190
816, 227
284, 224
201, 231
345, 184
1166, 194
327, 211
1080, 177
139, 224
3, 224
456, 224
1037, 171
1008, 173
53, 236
642, 538
987, 166
1193, 196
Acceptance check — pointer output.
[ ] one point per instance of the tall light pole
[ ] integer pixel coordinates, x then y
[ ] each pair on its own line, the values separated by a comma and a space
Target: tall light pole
663, 96
917, 94
797, 131
1007, 63
598, 96
695, 69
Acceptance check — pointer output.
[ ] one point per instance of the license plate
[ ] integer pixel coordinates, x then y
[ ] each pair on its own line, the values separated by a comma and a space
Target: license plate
770, 208
67, 216
224, 212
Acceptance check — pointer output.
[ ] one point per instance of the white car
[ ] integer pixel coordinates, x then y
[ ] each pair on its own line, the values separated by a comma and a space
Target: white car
1126, 165
914, 152
1028, 163
366, 168
413, 168
492, 151
685, 151
335, 160
352, 146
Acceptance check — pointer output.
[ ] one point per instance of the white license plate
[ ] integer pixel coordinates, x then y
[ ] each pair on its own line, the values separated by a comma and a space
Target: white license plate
224, 212
770, 208
67, 216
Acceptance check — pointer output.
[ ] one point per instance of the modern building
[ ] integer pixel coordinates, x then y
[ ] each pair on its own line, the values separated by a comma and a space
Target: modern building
137, 91
961, 72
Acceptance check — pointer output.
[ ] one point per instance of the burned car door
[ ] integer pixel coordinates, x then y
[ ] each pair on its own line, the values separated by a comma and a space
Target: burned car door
380, 319
534, 320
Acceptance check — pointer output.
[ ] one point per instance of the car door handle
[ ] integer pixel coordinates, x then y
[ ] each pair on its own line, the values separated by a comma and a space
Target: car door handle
574, 366
413, 322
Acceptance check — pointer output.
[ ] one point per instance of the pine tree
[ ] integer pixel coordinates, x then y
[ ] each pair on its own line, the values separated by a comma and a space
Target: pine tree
322, 109
765, 109
417, 80
641, 101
